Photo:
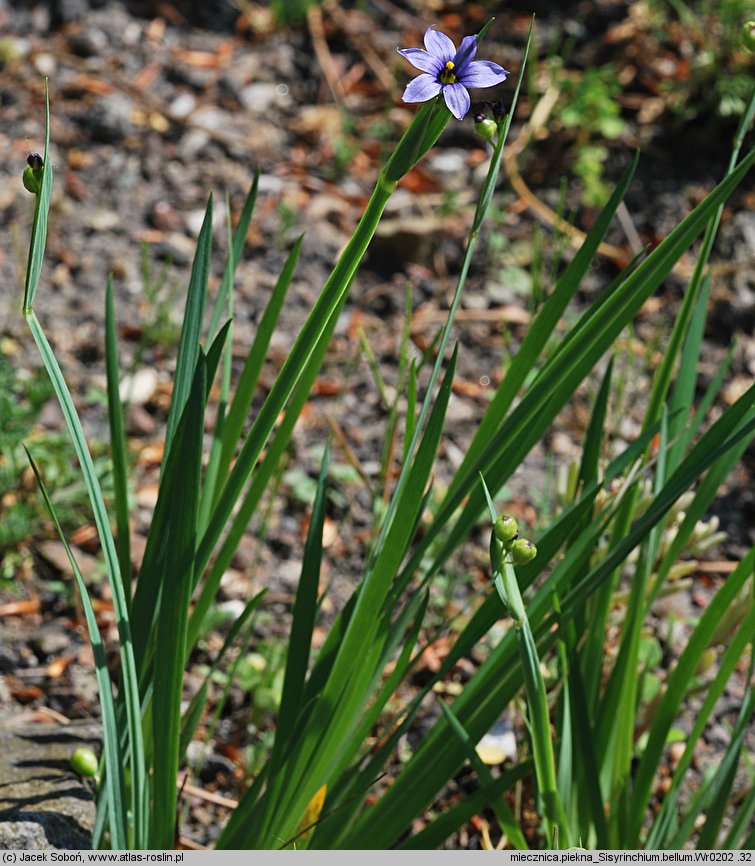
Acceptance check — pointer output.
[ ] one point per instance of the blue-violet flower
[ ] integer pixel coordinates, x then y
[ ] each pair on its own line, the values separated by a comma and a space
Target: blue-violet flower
448, 71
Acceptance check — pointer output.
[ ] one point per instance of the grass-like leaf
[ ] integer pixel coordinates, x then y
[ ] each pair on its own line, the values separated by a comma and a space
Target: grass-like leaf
662, 828
247, 384
113, 765
130, 688
557, 381
302, 626
677, 688
182, 490
502, 811
118, 445
191, 330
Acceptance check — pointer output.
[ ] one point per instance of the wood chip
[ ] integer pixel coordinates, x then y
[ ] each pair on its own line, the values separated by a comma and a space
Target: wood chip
90, 84
58, 667
20, 608
190, 790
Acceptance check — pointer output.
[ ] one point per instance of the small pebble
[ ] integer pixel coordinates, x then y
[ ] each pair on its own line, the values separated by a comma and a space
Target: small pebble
139, 388
260, 97
192, 143
209, 118
448, 162
51, 642
195, 218
182, 105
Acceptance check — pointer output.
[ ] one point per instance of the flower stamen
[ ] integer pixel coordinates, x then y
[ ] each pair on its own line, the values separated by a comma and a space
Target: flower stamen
447, 75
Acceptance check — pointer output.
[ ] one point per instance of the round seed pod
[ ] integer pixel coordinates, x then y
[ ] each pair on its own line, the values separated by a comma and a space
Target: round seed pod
485, 126
32, 176
523, 550
84, 761
505, 528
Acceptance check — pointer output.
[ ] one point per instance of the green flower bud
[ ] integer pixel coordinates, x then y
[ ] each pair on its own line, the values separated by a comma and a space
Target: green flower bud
748, 35
485, 127
523, 550
84, 761
505, 529
32, 177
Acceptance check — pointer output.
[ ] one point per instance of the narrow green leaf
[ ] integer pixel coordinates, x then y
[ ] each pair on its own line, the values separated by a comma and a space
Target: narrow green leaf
118, 445
617, 714
303, 621
704, 495
191, 331
247, 385
259, 484
212, 467
665, 821
502, 811
591, 449
182, 489
558, 380
214, 354
715, 791
154, 561
585, 763
235, 251
538, 334
683, 393
129, 692
743, 819
454, 817
678, 682
114, 771
322, 745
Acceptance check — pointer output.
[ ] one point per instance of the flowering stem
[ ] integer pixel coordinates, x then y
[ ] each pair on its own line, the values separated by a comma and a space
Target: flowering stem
556, 822
421, 135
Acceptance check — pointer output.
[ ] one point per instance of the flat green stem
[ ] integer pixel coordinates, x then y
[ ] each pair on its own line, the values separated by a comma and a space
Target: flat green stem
130, 683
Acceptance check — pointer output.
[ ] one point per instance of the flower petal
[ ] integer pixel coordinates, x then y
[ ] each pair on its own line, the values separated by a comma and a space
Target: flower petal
421, 60
457, 100
439, 45
482, 73
465, 54
421, 88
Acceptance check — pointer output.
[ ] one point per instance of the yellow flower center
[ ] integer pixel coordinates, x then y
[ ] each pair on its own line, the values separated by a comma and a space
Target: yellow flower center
447, 75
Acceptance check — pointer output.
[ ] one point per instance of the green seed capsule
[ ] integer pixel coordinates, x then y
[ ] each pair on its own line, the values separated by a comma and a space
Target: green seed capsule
748, 35
523, 550
505, 528
84, 761
32, 177
485, 127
